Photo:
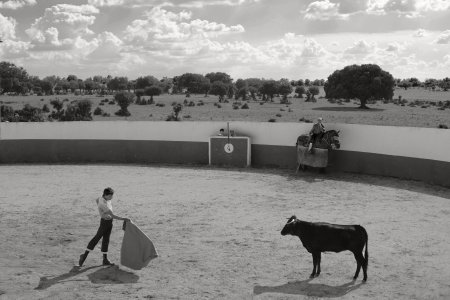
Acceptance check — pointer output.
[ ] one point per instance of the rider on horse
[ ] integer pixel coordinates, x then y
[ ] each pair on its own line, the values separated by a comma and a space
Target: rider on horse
317, 130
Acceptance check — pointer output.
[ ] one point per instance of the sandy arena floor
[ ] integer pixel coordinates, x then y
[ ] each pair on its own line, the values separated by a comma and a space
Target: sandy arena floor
218, 233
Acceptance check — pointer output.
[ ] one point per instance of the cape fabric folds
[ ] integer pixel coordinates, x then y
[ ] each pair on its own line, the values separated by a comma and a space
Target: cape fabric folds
137, 249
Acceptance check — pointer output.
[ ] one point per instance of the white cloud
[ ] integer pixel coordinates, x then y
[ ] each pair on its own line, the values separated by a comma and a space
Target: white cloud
176, 3
420, 33
162, 26
7, 27
323, 10
432, 5
10, 50
443, 38
100, 3
395, 47
108, 48
16, 4
344, 9
61, 25
360, 48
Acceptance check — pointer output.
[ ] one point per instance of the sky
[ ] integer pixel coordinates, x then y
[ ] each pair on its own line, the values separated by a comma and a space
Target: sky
269, 39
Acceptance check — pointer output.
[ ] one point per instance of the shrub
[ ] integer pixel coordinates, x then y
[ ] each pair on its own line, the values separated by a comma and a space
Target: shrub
122, 113
7, 113
278, 115
124, 99
98, 111
57, 104
28, 114
235, 106
160, 104
245, 106
272, 120
101, 103
187, 116
111, 102
79, 110
443, 126
302, 119
105, 114
45, 108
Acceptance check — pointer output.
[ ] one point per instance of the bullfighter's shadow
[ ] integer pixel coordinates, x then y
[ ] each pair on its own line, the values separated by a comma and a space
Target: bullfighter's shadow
309, 289
109, 275
45, 282
112, 275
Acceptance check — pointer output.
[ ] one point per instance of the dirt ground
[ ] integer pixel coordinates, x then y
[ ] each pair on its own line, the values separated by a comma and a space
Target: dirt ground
217, 232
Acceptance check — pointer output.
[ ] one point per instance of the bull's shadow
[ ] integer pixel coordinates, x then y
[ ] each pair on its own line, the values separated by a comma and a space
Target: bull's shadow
306, 288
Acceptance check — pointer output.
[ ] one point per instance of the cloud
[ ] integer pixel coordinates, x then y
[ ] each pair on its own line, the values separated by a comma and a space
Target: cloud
61, 25
420, 33
14, 49
162, 26
177, 3
7, 27
394, 47
360, 47
343, 9
16, 4
443, 38
323, 10
432, 5
100, 3
107, 48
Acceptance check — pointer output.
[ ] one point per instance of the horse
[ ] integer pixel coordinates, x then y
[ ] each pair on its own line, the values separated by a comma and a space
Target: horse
327, 140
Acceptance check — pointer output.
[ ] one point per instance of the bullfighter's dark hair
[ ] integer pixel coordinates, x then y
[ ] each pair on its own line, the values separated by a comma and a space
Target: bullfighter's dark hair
108, 191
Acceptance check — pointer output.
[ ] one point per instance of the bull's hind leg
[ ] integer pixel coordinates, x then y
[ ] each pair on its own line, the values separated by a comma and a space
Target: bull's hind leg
359, 262
364, 267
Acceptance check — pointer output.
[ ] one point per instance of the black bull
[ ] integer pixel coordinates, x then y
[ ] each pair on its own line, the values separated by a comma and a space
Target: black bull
324, 237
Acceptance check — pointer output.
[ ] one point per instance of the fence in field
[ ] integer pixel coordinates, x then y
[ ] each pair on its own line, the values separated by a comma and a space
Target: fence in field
407, 152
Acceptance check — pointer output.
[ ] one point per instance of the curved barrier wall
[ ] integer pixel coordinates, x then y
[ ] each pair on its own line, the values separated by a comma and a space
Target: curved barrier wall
407, 152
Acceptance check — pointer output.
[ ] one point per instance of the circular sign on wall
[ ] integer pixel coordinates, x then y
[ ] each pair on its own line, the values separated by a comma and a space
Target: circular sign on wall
228, 148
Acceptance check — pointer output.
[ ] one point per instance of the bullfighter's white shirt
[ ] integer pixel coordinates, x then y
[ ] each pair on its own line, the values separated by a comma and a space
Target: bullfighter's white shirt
103, 207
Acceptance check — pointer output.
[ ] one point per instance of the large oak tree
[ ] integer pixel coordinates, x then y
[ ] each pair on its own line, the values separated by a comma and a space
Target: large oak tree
363, 82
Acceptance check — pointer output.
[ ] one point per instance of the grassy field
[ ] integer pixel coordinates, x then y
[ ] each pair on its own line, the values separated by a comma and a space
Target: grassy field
423, 114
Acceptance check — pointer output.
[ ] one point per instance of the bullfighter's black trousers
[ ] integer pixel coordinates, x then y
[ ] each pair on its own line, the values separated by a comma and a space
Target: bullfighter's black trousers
103, 232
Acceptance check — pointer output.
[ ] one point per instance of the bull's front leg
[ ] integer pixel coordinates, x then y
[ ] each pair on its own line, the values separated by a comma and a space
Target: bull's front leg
316, 264
318, 259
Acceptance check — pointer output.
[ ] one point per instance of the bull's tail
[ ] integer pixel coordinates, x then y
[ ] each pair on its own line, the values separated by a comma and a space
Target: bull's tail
366, 254
365, 237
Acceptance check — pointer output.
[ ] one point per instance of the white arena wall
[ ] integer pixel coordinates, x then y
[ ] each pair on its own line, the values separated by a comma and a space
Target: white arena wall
408, 152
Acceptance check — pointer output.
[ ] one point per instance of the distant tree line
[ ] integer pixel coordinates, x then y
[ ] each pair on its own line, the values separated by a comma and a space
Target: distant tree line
16, 81
363, 82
